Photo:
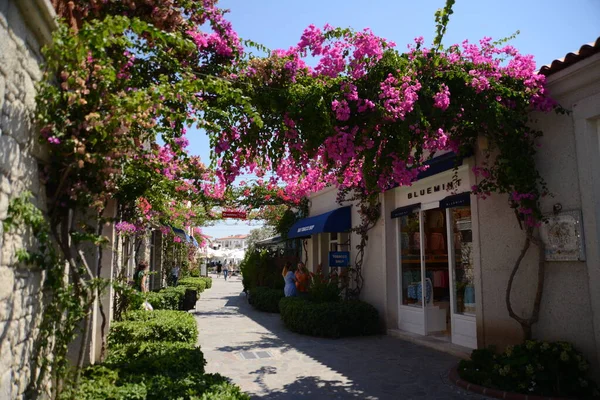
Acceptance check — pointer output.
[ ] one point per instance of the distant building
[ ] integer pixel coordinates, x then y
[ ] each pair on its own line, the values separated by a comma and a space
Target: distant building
232, 242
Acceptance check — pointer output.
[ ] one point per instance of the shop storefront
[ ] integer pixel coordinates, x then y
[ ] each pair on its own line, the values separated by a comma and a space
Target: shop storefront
434, 246
326, 239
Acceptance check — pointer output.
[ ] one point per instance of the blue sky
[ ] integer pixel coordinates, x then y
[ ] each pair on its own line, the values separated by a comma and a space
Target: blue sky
549, 30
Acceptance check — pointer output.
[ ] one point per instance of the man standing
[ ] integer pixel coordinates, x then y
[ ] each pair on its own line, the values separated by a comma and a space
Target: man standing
225, 271
175, 274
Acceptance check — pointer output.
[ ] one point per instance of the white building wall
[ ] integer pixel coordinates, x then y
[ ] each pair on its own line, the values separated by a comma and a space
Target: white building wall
374, 285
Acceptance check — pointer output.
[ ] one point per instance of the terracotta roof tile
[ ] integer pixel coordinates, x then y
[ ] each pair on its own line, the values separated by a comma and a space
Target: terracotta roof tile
585, 51
234, 237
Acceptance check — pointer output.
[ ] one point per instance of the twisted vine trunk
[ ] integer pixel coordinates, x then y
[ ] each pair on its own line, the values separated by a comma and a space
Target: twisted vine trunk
527, 323
98, 275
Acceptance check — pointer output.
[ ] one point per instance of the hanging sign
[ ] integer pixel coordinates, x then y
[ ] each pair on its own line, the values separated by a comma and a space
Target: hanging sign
234, 214
339, 259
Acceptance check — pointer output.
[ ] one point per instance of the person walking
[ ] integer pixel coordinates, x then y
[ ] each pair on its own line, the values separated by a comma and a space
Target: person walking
219, 269
289, 277
225, 271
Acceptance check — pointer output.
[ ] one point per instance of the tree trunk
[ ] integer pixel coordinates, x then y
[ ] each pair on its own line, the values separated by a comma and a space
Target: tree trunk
527, 323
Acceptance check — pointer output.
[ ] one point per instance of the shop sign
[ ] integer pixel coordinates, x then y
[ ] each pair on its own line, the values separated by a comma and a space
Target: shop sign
446, 186
434, 188
339, 259
234, 214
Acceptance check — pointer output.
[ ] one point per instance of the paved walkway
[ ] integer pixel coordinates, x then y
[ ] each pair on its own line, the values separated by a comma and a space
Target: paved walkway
270, 362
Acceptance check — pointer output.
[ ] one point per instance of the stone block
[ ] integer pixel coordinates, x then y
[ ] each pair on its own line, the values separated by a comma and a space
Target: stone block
1, 241
10, 154
21, 336
16, 121
7, 283
8, 49
17, 27
3, 205
5, 311
5, 185
28, 173
2, 89
6, 354
28, 89
6, 385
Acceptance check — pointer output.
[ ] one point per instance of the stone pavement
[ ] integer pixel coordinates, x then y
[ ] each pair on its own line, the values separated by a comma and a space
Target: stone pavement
266, 360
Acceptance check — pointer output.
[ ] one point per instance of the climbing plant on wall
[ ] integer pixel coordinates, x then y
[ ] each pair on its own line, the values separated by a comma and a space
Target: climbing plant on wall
120, 88
367, 118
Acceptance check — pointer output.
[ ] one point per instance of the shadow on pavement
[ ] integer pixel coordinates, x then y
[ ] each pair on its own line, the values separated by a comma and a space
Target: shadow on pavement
376, 367
306, 387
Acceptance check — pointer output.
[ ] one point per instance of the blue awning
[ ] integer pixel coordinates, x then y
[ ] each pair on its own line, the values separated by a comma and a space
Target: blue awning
339, 220
181, 234
457, 200
269, 242
195, 242
442, 163
404, 211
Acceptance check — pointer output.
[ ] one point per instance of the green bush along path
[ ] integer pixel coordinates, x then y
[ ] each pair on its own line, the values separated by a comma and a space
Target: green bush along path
268, 361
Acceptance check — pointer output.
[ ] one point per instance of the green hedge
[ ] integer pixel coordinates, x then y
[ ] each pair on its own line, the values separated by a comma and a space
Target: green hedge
266, 299
155, 357
152, 356
258, 269
333, 319
198, 284
534, 368
155, 326
100, 383
208, 281
171, 297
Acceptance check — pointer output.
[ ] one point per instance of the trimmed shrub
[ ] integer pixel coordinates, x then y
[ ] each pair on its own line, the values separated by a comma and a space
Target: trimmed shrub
172, 297
158, 302
323, 288
534, 368
154, 326
266, 299
155, 358
198, 284
258, 269
208, 281
100, 383
333, 319
152, 356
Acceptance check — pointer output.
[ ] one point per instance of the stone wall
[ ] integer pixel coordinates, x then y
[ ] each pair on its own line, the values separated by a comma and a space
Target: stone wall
25, 25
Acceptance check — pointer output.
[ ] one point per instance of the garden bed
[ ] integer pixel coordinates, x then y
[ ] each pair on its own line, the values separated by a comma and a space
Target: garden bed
530, 370
495, 393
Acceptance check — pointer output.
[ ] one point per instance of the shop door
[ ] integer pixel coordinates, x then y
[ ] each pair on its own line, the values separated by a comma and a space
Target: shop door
464, 327
436, 293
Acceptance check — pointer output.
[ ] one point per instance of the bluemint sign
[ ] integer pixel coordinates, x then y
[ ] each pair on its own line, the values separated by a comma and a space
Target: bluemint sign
339, 258
306, 228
